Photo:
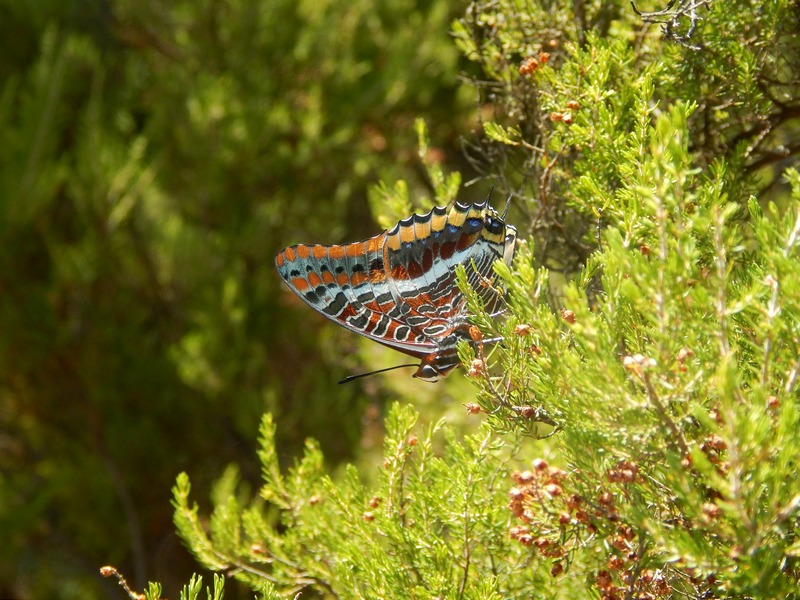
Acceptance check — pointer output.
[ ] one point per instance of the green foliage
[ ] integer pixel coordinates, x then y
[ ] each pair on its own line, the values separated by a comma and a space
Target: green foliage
155, 157
435, 522
657, 386
194, 589
674, 392
571, 88
674, 400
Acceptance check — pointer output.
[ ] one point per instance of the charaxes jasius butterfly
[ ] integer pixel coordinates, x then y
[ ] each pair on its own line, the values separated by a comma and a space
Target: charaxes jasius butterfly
399, 287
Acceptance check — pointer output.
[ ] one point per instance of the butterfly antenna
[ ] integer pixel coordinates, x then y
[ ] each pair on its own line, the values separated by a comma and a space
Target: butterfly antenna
352, 377
489, 196
508, 205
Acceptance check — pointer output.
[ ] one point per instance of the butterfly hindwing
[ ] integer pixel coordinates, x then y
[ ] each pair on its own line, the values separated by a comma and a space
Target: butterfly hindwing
423, 250
335, 281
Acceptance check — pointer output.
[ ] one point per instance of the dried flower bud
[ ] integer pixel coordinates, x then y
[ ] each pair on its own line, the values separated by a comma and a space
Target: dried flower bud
567, 315
525, 477
528, 66
368, 516
661, 586
603, 580
476, 368
574, 501
539, 464
544, 57
475, 333
542, 543
556, 116
715, 442
553, 489
615, 563
619, 543
375, 502
472, 408
516, 494
314, 500
557, 569
606, 499
568, 118
573, 105
522, 329
711, 511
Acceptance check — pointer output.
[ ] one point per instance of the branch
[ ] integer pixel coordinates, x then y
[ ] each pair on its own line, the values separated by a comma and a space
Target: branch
670, 19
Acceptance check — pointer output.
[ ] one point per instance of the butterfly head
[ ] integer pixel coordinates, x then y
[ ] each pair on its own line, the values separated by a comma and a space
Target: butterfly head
436, 366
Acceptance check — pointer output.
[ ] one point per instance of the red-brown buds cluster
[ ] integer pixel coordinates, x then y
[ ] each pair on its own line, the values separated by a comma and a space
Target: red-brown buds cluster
476, 368
530, 64
624, 472
540, 487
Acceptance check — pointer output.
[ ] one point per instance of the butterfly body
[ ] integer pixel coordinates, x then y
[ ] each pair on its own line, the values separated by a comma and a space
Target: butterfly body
398, 288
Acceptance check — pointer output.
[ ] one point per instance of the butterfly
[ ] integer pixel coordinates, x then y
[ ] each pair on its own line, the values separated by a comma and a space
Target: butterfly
399, 289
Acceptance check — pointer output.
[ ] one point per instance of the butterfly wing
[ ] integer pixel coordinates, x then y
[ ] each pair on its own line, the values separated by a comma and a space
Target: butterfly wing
398, 288
420, 256
347, 284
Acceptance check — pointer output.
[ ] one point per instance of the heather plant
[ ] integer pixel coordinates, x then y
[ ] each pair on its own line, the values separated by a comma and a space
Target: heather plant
639, 417
670, 411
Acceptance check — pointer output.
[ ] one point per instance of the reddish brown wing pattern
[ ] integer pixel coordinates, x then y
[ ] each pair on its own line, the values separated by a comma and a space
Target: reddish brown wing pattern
398, 288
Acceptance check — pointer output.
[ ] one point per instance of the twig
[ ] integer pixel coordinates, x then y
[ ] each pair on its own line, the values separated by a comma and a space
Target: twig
670, 19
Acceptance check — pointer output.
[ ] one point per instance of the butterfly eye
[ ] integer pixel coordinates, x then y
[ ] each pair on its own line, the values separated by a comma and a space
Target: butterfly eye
427, 373
493, 225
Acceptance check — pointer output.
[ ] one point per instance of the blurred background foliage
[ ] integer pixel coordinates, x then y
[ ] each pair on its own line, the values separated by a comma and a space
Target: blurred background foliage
155, 156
